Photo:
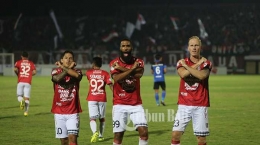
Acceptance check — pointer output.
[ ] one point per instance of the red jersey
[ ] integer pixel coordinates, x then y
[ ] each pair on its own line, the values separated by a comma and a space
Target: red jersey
126, 91
192, 91
66, 94
25, 69
97, 84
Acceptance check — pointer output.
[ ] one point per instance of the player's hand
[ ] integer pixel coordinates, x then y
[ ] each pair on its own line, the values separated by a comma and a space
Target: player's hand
58, 63
73, 64
136, 64
203, 59
182, 61
116, 65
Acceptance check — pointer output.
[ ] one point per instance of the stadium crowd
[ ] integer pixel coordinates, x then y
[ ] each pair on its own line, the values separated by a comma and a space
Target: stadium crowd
225, 24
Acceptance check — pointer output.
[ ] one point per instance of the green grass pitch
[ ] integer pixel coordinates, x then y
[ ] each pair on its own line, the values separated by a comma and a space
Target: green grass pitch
233, 116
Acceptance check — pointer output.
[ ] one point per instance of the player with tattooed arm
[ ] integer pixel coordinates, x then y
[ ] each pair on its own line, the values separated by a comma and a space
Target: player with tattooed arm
66, 103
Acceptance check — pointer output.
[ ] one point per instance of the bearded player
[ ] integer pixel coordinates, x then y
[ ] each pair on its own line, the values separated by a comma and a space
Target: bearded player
126, 72
97, 98
66, 103
24, 69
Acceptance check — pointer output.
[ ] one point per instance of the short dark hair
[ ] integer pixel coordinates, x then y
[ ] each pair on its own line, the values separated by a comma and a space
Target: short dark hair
97, 61
25, 54
67, 51
127, 39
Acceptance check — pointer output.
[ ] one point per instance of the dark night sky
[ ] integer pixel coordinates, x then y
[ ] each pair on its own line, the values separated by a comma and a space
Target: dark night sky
92, 7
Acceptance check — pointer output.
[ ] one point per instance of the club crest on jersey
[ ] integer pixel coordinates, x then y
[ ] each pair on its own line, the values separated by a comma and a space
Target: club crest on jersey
54, 72
112, 68
128, 84
67, 78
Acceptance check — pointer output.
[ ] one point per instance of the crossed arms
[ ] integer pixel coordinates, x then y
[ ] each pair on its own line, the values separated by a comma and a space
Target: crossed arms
134, 71
66, 70
192, 70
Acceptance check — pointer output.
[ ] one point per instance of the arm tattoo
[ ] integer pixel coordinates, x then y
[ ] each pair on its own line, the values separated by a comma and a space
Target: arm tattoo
65, 69
60, 76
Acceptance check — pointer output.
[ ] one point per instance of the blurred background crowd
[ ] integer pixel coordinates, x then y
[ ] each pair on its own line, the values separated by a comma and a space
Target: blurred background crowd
99, 28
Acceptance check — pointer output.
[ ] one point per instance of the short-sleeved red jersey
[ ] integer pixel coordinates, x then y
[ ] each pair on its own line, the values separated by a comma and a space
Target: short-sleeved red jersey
126, 91
192, 91
25, 69
98, 79
66, 94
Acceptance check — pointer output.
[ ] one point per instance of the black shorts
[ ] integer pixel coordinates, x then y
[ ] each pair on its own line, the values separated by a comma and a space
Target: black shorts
156, 85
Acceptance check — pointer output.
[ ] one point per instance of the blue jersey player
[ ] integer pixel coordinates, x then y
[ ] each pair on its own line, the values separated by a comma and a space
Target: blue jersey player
158, 69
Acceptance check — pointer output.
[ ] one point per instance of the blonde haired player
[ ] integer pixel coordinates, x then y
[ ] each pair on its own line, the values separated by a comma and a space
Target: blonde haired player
193, 100
24, 69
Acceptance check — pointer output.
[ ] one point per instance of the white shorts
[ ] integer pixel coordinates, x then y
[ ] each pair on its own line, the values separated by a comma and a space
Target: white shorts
96, 109
198, 115
23, 89
121, 115
66, 124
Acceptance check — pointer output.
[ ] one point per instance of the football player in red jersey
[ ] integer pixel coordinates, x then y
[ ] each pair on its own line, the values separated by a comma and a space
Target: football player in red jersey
24, 70
193, 99
97, 97
66, 103
126, 71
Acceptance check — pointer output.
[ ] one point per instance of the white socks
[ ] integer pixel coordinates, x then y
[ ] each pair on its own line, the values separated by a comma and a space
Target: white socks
93, 126
27, 102
20, 98
143, 142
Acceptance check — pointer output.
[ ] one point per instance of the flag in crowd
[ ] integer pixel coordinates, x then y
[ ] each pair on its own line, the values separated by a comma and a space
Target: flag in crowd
140, 21
174, 22
56, 24
203, 33
80, 27
110, 36
17, 21
129, 29
55, 39
152, 40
